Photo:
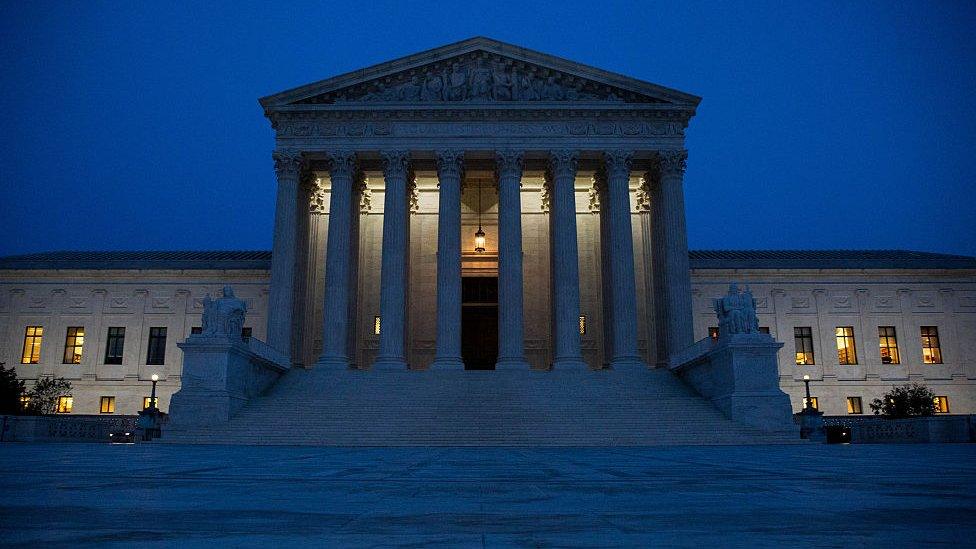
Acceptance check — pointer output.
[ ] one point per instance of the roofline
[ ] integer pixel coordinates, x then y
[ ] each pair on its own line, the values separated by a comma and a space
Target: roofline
466, 46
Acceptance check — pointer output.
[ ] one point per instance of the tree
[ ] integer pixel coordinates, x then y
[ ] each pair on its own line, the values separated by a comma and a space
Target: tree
905, 401
11, 389
45, 394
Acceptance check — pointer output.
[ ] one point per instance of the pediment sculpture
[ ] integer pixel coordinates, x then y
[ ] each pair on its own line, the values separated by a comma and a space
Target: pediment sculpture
480, 77
224, 316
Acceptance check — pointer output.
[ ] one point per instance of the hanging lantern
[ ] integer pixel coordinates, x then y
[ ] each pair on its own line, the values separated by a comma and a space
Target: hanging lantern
479, 237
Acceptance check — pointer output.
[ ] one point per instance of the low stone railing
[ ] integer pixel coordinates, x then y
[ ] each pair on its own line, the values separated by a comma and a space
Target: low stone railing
929, 429
67, 428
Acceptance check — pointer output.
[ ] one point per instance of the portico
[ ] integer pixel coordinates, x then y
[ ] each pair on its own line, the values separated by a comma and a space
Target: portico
581, 171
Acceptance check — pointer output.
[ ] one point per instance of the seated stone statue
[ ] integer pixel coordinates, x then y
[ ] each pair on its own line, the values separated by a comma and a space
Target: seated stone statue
736, 312
223, 317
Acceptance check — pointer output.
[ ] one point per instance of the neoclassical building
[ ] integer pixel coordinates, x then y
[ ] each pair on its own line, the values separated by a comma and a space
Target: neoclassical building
481, 206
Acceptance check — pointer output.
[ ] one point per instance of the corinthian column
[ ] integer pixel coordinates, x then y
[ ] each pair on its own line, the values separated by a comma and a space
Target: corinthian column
393, 273
672, 276
508, 170
449, 170
338, 261
281, 301
621, 258
565, 259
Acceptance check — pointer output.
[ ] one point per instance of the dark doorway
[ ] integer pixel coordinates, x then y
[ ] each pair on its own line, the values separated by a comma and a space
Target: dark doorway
479, 322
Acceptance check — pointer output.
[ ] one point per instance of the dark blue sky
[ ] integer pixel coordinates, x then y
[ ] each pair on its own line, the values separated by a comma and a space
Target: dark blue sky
823, 125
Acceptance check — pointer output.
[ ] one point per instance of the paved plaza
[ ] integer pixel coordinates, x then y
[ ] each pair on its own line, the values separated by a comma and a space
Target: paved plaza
171, 495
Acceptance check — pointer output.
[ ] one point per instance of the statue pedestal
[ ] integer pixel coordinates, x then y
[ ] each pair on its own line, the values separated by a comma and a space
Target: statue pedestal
739, 374
221, 374
812, 425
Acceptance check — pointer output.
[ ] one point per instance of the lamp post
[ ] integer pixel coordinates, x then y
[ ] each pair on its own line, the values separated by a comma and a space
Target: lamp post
155, 379
806, 381
479, 236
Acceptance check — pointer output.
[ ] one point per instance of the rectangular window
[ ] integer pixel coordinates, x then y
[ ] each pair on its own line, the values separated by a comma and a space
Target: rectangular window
888, 342
803, 340
376, 325
156, 354
941, 404
25, 401
246, 333
114, 345
713, 332
931, 352
846, 352
582, 324
106, 405
65, 404
145, 402
764, 329
854, 405
32, 345
196, 330
73, 343
814, 403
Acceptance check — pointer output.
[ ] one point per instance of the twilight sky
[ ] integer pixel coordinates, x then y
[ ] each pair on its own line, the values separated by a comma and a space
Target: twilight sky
823, 124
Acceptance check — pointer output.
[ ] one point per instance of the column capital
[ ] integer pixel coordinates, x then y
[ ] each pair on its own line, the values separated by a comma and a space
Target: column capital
618, 162
672, 162
288, 162
342, 164
563, 163
508, 163
395, 163
450, 164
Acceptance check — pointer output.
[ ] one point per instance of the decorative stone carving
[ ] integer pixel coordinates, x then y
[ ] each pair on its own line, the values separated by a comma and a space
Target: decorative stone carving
563, 164
316, 197
737, 312
413, 195
643, 195
672, 162
365, 195
599, 185
508, 163
342, 164
546, 195
480, 77
224, 316
450, 164
288, 163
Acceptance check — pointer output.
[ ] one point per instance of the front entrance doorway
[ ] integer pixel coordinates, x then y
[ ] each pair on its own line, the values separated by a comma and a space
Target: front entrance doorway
479, 322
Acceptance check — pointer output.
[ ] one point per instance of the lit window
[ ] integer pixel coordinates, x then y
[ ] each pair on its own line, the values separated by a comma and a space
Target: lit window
156, 354
889, 344
803, 340
65, 403
582, 324
73, 344
931, 352
376, 325
146, 402
106, 405
713, 332
246, 333
114, 345
32, 345
941, 404
854, 405
846, 353
25, 401
814, 403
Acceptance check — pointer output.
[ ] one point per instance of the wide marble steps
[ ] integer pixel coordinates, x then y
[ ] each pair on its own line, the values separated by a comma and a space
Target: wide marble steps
478, 408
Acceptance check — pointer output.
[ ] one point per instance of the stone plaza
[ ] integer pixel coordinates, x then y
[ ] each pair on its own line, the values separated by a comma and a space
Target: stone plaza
744, 496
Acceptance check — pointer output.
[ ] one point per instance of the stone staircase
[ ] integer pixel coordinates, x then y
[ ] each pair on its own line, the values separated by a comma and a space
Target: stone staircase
478, 408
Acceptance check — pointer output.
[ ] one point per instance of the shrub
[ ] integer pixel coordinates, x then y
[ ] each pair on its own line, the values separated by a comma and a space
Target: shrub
45, 394
11, 389
905, 401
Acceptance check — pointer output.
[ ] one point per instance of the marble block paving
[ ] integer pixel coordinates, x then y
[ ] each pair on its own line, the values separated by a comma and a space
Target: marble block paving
179, 496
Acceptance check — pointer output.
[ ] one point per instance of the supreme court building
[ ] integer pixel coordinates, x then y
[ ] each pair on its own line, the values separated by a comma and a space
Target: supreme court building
481, 206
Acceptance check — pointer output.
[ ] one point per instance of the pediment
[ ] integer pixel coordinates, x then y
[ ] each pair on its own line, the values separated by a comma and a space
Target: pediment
479, 71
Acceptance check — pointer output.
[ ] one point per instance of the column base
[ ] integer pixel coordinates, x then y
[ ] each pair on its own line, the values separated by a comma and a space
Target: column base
447, 363
628, 363
390, 364
569, 364
332, 363
512, 364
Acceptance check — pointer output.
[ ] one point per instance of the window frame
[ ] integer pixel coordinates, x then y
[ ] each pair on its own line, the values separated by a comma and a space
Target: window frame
74, 345
941, 403
115, 337
851, 358
110, 401
66, 404
145, 402
927, 340
35, 336
814, 400
853, 409
799, 336
888, 342
156, 346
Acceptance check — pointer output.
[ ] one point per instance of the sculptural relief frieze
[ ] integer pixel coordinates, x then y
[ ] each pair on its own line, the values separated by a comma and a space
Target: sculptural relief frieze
479, 77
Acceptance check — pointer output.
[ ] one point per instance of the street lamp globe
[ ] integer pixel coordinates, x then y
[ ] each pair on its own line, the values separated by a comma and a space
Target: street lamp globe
155, 377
